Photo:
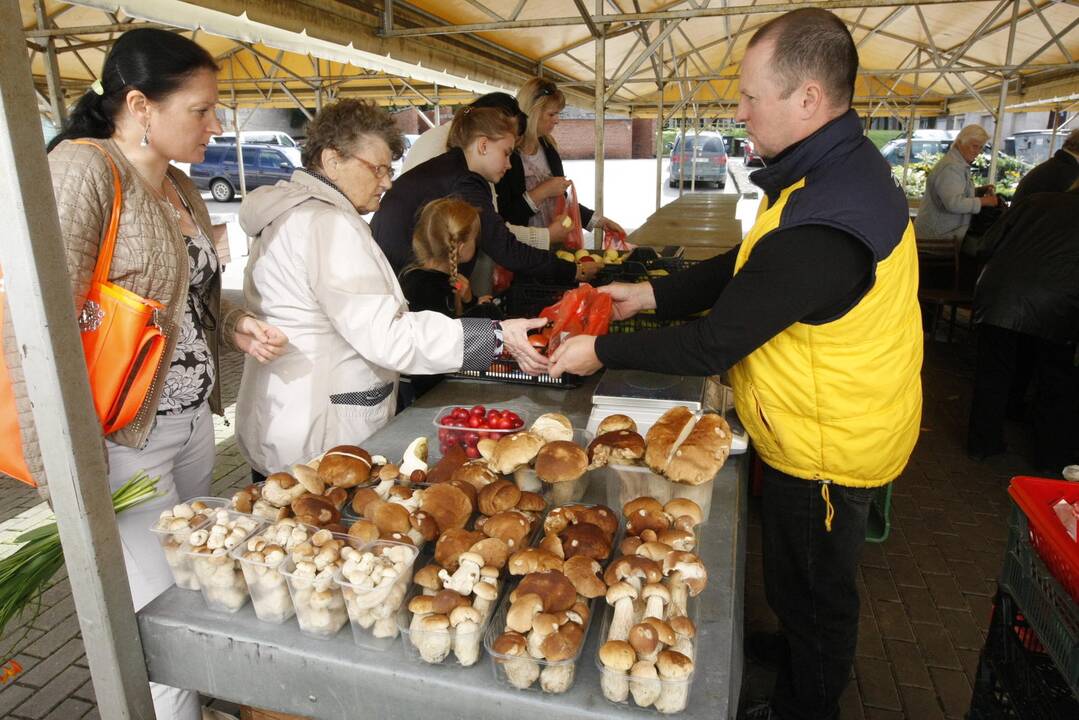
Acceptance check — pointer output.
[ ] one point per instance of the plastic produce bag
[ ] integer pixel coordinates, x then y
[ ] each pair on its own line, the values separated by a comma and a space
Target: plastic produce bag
581, 311
616, 240
571, 208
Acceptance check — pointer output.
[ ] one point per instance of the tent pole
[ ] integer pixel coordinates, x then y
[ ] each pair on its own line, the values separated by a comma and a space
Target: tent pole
910, 140
998, 127
1053, 136
659, 132
43, 316
52, 69
601, 57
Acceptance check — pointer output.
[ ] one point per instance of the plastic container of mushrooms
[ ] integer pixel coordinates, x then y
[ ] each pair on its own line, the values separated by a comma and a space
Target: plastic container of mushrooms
309, 571
209, 550
559, 471
537, 634
260, 556
626, 482
374, 583
174, 526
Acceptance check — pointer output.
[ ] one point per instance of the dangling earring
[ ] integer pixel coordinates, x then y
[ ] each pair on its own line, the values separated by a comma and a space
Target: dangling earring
145, 136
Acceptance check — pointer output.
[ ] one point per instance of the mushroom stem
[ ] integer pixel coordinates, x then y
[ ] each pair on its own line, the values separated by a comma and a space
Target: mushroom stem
622, 620
557, 677
466, 643
654, 608
679, 595
644, 683
615, 684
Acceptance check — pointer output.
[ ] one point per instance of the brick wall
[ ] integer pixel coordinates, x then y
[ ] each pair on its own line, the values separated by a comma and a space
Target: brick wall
644, 138
577, 138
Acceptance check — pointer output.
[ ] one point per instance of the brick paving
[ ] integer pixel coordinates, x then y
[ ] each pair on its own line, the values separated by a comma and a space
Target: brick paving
926, 592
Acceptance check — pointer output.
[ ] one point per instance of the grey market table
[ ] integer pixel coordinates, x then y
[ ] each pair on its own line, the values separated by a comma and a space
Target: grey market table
240, 659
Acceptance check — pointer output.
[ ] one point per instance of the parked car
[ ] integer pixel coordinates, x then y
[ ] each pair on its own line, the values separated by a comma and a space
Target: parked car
220, 173
750, 156
279, 139
711, 159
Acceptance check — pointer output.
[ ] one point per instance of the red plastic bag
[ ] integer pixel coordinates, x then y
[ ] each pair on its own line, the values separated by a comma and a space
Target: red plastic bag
616, 240
575, 237
581, 311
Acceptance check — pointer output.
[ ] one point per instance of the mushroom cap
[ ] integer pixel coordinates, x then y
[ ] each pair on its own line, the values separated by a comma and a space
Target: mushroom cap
656, 590
362, 497
510, 526
511, 643
243, 500
397, 537
345, 466
702, 453
363, 531
561, 461
582, 571
400, 492
654, 551
427, 577
545, 623
485, 590
684, 522
531, 502
561, 645
554, 588
463, 614
421, 605
644, 669
663, 630
452, 543
618, 447
613, 423
585, 539
282, 479
476, 473
474, 558
317, 507
553, 545
486, 447
467, 488
338, 496
620, 591
494, 552
642, 520
683, 626
531, 560
678, 539
633, 566
309, 478
443, 470
553, 427
558, 520
434, 623
497, 497
684, 506
690, 567
523, 610
646, 503
617, 655
392, 517
444, 601
601, 516
449, 506
644, 638
629, 545
389, 471
673, 665
515, 450
424, 524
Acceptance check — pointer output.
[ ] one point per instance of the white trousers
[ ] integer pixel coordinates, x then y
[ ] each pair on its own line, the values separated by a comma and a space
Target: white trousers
180, 451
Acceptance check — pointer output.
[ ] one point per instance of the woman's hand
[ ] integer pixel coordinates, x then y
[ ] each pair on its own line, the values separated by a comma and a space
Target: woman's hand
462, 288
260, 340
630, 298
558, 230
515, 338
549, 188
608, 224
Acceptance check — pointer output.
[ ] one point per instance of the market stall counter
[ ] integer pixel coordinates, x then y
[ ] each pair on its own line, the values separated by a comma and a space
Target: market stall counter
238, 658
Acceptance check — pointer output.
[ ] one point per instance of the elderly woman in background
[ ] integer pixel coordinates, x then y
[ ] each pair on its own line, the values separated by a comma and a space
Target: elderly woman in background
950, 196
316, 271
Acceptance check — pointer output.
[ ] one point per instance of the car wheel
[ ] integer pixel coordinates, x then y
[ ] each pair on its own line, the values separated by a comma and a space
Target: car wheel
222, 190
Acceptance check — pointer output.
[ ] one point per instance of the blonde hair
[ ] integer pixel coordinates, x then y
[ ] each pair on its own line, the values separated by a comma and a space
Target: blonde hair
536, 97
472, 123
444, 226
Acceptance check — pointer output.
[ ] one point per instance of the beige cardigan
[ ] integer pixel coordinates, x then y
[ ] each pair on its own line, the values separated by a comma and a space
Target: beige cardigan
150, 259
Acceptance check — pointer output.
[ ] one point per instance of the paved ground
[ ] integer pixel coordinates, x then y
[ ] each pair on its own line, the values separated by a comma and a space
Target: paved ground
926, 593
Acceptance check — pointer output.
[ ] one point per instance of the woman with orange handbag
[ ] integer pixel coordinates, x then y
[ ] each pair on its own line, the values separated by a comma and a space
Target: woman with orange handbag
154, 103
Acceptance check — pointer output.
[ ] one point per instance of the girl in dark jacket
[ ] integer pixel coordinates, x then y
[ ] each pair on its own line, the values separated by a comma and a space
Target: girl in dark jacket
1026, 306
530, 189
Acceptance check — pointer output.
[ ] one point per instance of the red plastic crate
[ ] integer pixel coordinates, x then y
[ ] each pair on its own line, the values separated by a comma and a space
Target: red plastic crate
1036, 497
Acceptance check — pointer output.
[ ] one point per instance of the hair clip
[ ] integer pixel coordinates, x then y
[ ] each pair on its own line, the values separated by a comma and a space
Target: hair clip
97, 88
467, 110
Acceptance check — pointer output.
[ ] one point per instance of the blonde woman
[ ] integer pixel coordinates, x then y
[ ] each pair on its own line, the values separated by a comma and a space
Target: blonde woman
528, 193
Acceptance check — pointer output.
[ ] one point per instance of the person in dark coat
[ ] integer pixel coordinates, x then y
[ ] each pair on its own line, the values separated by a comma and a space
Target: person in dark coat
1026, 306
481, 141
1055, 174
530, 189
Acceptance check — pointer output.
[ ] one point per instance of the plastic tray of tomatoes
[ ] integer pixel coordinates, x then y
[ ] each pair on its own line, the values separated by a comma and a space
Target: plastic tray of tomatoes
466, 426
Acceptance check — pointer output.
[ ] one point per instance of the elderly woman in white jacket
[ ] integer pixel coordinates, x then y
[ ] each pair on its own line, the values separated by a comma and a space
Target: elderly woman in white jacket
315, 272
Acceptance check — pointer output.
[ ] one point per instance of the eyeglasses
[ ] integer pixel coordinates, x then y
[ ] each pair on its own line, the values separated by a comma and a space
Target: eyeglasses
379, 171
546, 89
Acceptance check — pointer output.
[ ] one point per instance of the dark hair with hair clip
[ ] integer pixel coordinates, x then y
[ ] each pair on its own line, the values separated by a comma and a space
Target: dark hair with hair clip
153, 61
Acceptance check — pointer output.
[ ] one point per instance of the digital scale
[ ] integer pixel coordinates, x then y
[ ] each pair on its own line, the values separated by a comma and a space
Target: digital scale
645, 396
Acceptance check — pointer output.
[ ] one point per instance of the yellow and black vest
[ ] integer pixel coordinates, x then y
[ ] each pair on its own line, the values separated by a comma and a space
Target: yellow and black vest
839, 401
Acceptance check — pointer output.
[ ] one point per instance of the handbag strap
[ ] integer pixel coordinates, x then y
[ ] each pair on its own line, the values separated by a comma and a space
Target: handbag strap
108, 242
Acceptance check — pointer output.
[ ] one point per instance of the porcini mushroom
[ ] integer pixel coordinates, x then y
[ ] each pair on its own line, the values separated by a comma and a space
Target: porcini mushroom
657, 596
522, 611
645, 641
466, 575
432, 638
684, 631
687, 577
674, 669
560, 649
644, 683
521, 670
617, 658
621, 596
466, 621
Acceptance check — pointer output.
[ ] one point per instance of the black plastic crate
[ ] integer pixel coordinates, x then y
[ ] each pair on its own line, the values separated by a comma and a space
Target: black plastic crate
1015, 678
527, 299
505, 370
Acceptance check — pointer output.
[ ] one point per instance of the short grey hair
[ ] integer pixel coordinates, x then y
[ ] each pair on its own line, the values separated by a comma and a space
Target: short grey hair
972, 133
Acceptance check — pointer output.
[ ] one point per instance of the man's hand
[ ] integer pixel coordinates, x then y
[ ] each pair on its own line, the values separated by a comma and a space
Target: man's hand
630, 298
608, 224
515, 338
260, 340
577, 355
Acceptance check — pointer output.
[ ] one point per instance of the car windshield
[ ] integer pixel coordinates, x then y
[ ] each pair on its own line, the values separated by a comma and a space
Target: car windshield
708, 144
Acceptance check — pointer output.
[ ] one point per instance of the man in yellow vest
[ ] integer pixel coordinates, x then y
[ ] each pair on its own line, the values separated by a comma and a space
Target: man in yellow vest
815, 316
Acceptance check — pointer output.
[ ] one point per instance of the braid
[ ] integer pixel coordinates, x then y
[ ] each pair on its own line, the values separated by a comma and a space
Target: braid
455, 249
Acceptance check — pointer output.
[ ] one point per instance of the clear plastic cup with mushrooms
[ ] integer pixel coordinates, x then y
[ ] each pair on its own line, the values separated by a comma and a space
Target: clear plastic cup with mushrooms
536, 637
209, 550
260, 557
374, 581
172, 529
309, 571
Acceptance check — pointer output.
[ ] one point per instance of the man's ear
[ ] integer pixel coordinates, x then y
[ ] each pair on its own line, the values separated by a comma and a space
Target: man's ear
813, 99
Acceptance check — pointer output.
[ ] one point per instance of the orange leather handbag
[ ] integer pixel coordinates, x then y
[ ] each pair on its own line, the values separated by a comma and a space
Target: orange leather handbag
121, 340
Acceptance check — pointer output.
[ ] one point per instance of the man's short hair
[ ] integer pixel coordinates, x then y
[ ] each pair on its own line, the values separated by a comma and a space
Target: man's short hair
811, 43
1072, 143
970, 134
